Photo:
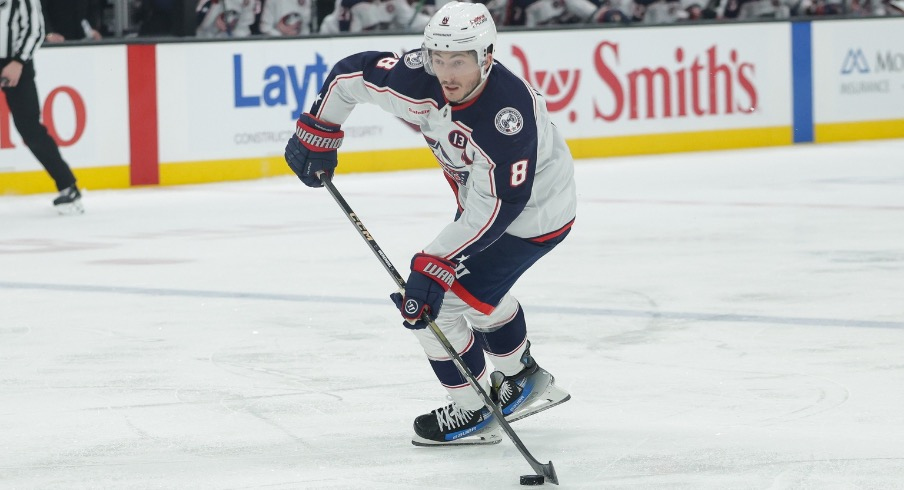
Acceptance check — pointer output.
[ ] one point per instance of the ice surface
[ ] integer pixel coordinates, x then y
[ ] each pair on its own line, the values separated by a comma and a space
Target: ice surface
722, 320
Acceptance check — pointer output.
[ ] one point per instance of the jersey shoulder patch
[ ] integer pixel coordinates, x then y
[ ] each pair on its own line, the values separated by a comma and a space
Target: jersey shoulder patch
509, 121
414, 59
507, 106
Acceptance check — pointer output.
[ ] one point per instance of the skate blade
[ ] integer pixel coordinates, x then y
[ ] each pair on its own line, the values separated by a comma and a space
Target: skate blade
70, 209
483, 438
550, 397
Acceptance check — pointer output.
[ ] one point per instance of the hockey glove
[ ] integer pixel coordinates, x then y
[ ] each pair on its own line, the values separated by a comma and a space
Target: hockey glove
428, 282
313, 149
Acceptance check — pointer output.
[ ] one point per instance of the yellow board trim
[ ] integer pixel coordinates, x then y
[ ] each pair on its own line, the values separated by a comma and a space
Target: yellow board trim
255, 168
853, 131
36, 182
646, 144
408, 159
176, 173
117, 177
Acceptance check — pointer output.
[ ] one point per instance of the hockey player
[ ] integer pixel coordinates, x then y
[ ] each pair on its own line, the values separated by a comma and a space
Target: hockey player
353, 16
512, 177
533, 13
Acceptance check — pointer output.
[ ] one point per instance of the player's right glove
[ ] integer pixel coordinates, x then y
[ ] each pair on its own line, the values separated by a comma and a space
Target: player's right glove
428, 282
313, 149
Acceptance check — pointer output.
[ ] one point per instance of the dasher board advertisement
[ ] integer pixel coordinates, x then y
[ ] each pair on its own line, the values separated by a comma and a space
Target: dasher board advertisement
83, 93
240, 99
606, 82
858, 70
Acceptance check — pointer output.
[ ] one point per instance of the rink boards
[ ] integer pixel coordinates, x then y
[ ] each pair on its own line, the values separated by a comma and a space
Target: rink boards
187, 112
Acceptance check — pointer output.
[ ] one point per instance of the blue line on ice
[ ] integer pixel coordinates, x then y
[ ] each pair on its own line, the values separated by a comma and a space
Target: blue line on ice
561, 310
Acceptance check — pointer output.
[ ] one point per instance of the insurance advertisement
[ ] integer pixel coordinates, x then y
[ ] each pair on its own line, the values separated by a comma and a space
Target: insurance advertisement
83, 94
858, 70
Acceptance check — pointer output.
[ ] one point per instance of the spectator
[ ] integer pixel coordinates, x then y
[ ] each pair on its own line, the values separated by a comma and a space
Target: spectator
692, 10
156, 17
258, 11
428, 7
731, 9
893, 7
532, 13
286, 17
352, 16
498, 9
67, 20
165, 17
399, 15
97, 16
373, 15
608, 12
224, 18
662, 12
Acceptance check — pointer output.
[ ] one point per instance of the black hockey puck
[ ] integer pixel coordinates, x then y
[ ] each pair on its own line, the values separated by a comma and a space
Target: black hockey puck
532, 479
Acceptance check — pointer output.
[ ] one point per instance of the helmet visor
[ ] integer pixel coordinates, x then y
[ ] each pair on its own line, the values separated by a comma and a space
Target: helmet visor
454, 63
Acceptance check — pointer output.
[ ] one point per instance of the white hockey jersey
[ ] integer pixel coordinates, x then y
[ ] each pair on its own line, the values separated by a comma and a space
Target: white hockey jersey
373, 15
286, 17
507, 164
224, 18
353, 16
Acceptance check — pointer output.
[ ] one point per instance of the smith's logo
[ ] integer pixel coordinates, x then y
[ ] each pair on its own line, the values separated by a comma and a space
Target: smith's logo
855, 61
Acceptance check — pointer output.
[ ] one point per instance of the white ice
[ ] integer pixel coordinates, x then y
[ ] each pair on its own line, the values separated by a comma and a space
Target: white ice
722, 320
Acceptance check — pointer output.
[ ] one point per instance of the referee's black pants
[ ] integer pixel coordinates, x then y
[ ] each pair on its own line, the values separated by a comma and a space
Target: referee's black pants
26, 110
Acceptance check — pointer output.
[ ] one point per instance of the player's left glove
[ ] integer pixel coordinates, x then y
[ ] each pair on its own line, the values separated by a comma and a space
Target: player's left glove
428, 282
313, 149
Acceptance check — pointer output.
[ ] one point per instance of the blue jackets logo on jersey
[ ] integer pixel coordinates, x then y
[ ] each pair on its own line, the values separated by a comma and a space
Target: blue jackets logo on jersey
509, 121
414, 59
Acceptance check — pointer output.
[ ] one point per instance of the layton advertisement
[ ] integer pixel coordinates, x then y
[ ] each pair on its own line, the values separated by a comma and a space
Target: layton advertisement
254, 92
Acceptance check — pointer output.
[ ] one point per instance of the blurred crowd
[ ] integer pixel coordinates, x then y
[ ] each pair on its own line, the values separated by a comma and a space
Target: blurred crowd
96, 19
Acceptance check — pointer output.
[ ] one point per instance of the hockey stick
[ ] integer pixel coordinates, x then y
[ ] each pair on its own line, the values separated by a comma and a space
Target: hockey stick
546, 470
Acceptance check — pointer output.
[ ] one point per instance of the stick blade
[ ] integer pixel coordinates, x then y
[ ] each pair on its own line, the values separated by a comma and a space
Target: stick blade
548, 472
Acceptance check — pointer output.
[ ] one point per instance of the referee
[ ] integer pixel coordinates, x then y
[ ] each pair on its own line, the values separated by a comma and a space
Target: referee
22, 28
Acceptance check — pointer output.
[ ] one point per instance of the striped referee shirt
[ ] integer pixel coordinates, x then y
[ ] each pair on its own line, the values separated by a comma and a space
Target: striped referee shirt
21, 29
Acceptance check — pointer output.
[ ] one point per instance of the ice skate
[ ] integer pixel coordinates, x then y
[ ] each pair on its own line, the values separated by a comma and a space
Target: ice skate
530, 391
452, 426
69, 201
